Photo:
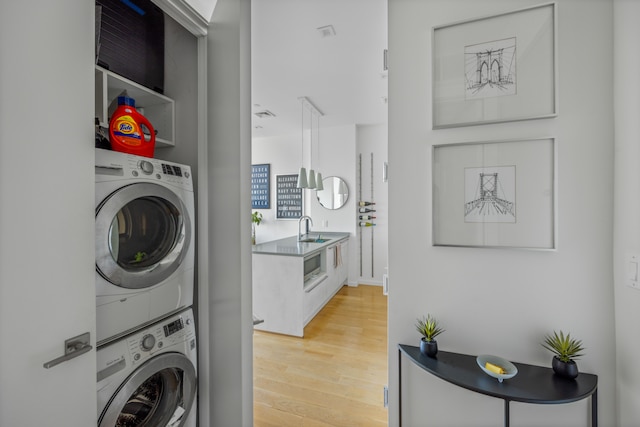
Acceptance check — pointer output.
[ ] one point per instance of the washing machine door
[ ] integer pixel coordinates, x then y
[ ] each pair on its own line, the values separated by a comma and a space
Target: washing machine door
143, 232
160, 391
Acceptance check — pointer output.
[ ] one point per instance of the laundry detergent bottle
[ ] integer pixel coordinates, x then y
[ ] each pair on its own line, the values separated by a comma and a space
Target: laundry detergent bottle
127, 131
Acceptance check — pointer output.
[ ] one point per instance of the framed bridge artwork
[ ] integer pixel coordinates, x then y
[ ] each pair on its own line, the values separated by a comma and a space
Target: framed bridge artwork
495, 194
495, 69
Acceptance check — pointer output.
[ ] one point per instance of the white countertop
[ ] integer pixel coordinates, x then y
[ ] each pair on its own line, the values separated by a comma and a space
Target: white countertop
290, 246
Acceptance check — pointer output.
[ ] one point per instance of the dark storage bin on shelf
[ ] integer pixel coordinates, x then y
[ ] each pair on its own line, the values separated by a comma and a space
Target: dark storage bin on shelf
131, 41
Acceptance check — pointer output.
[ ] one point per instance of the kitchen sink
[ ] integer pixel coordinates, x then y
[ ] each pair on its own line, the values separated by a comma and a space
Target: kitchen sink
317, 240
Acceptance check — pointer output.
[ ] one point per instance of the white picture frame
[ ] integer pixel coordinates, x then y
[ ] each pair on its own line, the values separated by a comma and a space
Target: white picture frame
499, 194
495, 69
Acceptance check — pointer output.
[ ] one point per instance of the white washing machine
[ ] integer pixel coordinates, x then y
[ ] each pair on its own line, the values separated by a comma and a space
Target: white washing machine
149, 378
144, 241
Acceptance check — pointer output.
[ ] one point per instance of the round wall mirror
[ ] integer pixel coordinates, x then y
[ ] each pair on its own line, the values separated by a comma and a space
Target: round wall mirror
335, 193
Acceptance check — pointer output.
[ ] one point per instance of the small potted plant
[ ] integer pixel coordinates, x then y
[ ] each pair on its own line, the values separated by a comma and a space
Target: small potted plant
566, 350
429, 328
256, 219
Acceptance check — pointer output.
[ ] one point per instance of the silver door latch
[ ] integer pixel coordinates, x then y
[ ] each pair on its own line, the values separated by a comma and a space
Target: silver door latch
73, 347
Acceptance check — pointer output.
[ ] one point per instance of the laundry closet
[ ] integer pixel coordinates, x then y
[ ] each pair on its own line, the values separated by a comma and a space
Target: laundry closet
145, 224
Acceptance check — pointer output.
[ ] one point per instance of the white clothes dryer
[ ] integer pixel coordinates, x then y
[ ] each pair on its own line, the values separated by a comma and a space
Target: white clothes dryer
144, 241
149, 378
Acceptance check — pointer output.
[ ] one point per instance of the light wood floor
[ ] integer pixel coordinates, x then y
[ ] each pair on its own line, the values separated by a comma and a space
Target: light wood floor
335, 375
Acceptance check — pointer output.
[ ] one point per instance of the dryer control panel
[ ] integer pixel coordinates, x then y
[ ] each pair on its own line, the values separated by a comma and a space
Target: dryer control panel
160, 170
113, 165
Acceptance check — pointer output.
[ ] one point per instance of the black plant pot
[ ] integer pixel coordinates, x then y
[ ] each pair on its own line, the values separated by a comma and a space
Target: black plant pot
428, 348
564, 369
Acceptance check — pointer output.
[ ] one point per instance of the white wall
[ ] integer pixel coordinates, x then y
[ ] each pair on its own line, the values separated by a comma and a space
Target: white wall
372, 139
337, 157
283, 153
334, 157
227, 299
503, 301
181, 85
627, 207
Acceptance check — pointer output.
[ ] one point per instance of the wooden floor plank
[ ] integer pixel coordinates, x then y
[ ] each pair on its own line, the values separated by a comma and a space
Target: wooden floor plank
332, 377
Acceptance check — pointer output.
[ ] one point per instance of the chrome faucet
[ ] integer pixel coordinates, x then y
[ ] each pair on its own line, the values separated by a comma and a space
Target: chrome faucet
308, 220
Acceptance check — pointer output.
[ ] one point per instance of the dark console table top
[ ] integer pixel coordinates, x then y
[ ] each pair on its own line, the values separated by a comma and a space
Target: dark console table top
532, 384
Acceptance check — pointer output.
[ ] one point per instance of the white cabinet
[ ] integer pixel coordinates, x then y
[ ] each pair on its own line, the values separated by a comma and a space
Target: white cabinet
332, 271
337, 265
281, 296
278, 293
314, 297
332, 268
343, 270
157, 108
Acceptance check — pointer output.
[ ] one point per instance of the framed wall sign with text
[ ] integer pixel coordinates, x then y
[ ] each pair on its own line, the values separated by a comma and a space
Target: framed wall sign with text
260, 186
288, 197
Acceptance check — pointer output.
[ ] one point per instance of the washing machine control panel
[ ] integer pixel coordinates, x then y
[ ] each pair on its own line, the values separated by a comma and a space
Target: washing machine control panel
173, 331
146, 167
173, 327
147, 343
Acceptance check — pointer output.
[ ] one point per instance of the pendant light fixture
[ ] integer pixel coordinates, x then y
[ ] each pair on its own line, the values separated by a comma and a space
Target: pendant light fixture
312, 181
302, 174
319, 185
312, 174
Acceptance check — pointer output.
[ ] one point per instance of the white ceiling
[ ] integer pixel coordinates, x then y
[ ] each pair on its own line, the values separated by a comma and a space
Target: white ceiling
343, 76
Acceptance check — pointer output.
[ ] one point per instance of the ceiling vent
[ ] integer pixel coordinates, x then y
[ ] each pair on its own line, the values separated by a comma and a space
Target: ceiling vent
264, 114
326, 31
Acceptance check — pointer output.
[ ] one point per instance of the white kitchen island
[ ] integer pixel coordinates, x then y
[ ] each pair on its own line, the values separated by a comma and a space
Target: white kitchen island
283, 297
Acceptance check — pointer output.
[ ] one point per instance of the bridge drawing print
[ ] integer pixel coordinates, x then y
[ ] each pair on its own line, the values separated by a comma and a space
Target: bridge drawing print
490, 69
490, 194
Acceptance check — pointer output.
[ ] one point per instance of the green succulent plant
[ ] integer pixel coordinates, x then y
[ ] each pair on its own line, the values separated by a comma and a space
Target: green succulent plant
563, 346
429, 327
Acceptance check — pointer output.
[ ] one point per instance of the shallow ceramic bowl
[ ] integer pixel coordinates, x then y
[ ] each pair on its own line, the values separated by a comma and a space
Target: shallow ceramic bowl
506, 365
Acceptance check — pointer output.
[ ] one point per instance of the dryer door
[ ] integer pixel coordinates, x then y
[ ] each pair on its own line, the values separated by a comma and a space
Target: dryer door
143, 232
161, 390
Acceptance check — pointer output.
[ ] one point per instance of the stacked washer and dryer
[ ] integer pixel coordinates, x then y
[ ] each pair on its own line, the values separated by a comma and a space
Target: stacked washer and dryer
146, 338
